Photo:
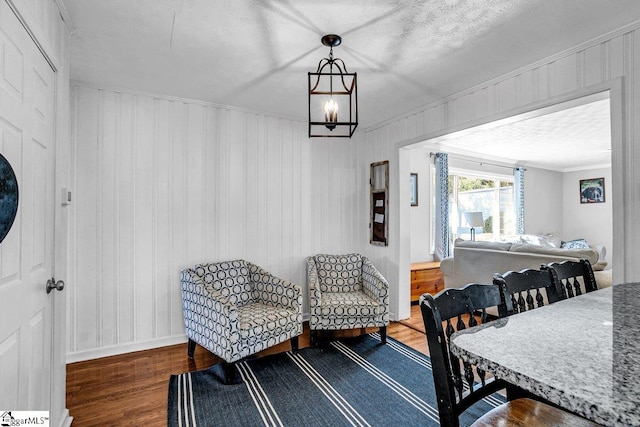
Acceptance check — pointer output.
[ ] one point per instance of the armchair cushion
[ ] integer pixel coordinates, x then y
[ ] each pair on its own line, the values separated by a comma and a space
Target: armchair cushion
346, 304
255, 319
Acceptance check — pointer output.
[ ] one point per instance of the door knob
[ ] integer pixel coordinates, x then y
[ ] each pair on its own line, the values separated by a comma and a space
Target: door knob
52, 284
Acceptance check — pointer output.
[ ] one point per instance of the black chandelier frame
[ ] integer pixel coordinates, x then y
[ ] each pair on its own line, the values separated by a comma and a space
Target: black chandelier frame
333, 70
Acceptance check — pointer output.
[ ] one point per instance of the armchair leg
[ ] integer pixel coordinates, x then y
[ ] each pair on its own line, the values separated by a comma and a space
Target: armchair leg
383, 334
294, 344
191, 348
314, 338
226, 373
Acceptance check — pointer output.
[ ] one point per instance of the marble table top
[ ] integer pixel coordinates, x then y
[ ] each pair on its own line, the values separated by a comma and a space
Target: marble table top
563, 352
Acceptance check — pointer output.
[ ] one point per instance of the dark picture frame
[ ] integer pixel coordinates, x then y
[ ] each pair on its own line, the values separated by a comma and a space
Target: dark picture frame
414, 189
592, 190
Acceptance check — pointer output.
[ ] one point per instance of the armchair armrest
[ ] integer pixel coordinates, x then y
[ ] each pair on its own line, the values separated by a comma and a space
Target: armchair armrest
373, 283
315, 296
275, 291
201, 303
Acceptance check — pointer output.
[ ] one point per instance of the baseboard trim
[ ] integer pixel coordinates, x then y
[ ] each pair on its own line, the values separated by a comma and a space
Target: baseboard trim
114, 350
66, 419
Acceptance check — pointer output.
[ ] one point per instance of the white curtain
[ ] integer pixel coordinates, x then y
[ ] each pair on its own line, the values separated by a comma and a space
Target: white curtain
518, 194
442, 249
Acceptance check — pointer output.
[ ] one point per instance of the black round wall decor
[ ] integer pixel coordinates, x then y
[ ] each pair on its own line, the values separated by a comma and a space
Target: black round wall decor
8, 197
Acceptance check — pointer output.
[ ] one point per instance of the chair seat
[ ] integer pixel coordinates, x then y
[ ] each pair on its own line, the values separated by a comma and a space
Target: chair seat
349, 304
530, 413
258, 319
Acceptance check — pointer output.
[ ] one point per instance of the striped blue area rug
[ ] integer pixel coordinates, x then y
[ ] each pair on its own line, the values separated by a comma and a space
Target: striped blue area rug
354, 382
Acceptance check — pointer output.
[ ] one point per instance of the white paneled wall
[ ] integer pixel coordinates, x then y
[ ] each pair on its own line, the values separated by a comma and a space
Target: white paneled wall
599, 62
162, 184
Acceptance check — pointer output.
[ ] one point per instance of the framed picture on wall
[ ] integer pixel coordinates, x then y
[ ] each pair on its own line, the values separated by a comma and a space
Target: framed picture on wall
414, 189
592, 190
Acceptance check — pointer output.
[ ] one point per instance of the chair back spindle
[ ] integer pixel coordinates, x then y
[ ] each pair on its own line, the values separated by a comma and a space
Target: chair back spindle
572, 277
528, 288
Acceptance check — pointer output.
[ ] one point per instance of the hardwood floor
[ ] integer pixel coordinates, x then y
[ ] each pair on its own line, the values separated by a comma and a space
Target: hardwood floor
131, 389
415, 321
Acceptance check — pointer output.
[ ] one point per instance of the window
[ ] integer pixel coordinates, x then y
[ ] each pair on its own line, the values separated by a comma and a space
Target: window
487, 201
480, 204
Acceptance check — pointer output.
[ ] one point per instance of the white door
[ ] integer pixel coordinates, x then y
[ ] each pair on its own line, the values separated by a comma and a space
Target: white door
27, 130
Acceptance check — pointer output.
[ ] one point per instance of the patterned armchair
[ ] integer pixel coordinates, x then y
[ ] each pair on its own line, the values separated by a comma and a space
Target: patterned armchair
346, 292
235, 309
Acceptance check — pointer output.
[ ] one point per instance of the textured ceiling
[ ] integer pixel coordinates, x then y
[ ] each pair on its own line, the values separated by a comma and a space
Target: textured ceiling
570, 139
255, 54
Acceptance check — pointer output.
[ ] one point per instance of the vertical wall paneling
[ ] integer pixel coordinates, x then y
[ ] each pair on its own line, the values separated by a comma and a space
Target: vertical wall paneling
594, 71
86, 297
581, 71
144, 218
566, 74
598, 62
124, 263
527, 87
616, 57
251, 191
162, 232
224, 199
177, 238
273, 211
108, 128
235, 207
162, 184
631, 154
505, 95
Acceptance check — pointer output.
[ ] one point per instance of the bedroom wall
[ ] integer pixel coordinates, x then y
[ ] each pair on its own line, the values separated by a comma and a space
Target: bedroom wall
595, 63
161, 184
593, 221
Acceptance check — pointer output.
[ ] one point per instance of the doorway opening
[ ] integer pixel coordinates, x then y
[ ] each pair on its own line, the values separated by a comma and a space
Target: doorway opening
480, 147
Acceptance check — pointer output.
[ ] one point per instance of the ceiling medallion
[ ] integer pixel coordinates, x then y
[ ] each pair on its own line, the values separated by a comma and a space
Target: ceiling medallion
333, 98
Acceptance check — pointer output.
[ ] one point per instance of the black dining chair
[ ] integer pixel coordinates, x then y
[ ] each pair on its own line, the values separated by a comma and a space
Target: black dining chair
528, 288
450, 311
456, 388
572, 278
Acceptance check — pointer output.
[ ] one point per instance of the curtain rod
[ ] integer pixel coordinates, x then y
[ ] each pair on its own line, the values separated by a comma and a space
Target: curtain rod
480, 163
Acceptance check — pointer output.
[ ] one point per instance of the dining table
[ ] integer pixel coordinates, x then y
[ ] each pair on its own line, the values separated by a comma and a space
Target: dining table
580, 353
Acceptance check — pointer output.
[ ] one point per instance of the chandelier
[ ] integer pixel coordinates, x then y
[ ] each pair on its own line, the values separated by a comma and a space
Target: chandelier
333, 98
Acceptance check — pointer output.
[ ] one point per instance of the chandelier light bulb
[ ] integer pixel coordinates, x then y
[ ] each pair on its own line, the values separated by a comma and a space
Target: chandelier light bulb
331, 113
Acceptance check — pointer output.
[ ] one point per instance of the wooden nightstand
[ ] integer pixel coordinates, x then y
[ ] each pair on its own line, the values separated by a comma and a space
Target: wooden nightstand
426, 277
